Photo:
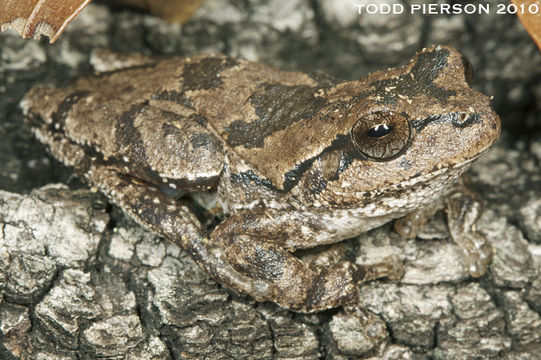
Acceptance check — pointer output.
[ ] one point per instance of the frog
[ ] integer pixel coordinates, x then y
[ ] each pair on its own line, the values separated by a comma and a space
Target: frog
285, 160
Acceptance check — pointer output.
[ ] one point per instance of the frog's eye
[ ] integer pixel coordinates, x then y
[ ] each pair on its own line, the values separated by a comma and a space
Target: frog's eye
382, 135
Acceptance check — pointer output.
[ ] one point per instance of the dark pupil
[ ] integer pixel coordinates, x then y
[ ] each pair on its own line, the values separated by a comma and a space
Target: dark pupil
379, 130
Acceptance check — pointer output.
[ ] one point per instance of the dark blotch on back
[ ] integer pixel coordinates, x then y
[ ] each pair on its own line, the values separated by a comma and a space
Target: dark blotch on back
205, 140
204, 74
425, 71
127, 133
277, 107
174, 96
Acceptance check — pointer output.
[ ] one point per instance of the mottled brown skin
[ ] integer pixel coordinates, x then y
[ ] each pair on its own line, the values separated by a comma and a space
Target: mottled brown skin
295, 161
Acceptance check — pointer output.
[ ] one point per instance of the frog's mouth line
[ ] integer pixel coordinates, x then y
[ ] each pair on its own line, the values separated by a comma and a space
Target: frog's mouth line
405, 185
460, 168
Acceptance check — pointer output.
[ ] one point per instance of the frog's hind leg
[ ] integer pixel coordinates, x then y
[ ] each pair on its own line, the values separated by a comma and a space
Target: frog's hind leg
272, 273
464, 209
247, 263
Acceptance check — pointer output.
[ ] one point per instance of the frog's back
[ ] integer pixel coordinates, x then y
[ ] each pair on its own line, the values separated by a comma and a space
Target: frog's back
269, 118
188, 112
136, 120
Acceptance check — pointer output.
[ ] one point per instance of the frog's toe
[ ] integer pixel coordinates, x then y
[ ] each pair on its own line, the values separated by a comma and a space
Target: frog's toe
410, 225
477, 267
478, 253
407, 228
479, 259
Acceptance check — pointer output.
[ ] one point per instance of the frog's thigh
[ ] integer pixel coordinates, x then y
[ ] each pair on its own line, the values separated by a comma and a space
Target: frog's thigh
145, 203
276, 275
296, 229
463, 210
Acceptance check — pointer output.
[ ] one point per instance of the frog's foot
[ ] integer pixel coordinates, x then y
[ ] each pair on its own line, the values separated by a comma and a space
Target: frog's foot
463, 211
391, 267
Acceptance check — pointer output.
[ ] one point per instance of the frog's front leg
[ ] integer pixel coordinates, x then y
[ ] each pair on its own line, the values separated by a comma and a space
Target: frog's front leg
463, 208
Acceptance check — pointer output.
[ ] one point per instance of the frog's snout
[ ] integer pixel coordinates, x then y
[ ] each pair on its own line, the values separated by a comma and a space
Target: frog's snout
494, 124
491, 120
487, 130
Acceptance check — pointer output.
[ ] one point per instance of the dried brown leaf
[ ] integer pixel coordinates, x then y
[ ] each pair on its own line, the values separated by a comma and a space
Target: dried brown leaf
530, 17
34, 18
169, 10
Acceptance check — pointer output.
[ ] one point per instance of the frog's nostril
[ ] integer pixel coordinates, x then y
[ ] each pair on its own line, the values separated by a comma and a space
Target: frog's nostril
464, 119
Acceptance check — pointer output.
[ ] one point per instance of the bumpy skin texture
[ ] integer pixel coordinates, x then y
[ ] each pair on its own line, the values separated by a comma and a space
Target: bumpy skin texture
295, 160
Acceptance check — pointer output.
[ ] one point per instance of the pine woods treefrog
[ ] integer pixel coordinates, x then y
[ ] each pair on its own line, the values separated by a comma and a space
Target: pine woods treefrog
293, 161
